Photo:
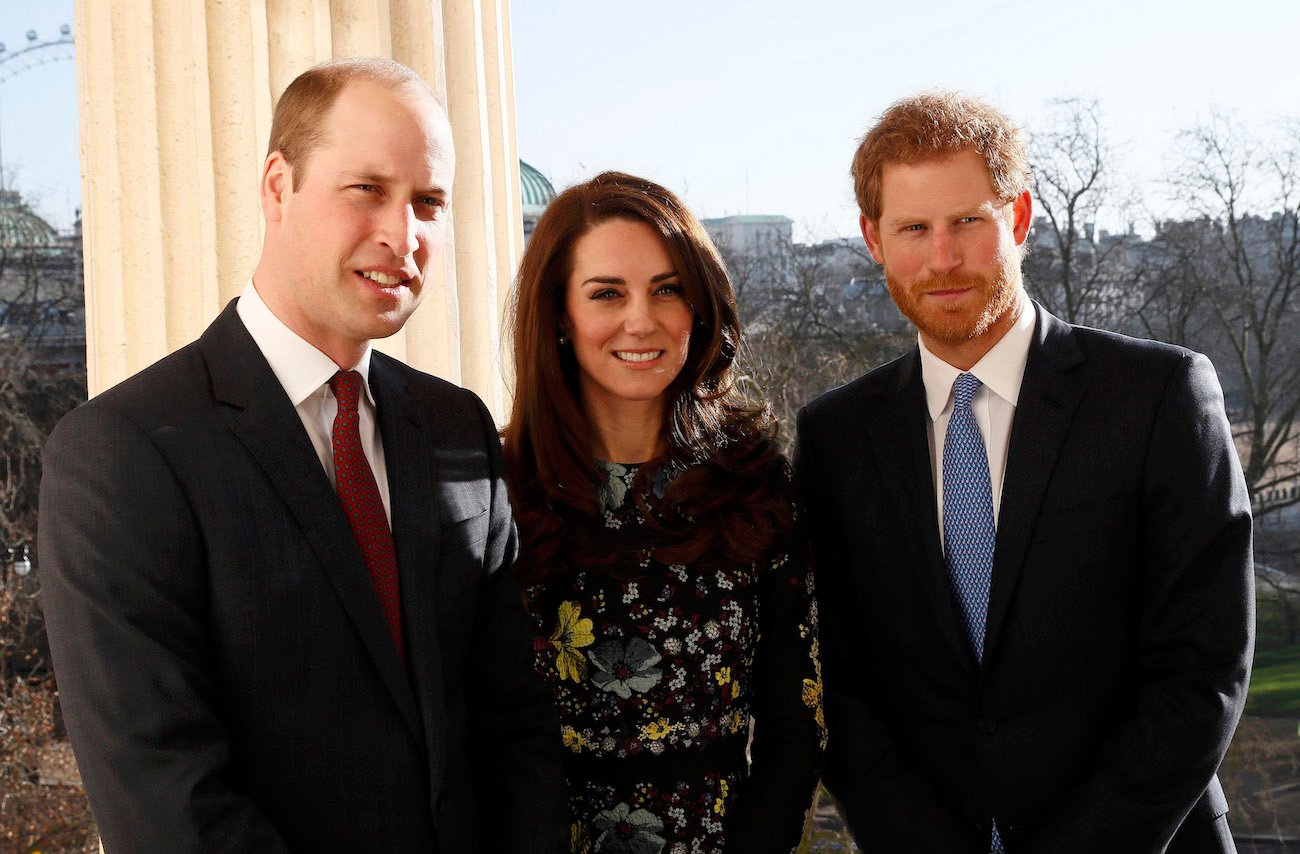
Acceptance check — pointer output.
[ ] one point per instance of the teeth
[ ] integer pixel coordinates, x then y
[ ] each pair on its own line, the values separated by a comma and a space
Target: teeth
382, 279
627, 356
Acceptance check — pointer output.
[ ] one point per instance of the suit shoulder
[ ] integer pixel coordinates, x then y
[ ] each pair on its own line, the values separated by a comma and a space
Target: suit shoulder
442, 398
877, 381
154, 396
1125, 359
1103, 342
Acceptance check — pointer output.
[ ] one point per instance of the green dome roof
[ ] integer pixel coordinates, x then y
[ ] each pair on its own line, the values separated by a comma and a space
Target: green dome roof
536, 191
20, 227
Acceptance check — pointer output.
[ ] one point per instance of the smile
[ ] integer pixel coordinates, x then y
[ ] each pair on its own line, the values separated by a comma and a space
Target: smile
382, 278
634, 356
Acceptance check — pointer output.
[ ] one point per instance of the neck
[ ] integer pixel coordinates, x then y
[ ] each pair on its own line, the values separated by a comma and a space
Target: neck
343, 352
630, 432
965, 354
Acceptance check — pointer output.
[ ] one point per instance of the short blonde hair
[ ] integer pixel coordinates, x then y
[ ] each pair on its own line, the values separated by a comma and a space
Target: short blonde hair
297, 128
934, 125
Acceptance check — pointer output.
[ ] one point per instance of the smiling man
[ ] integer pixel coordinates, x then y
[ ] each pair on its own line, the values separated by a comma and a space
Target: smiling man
276, 563
1032, 540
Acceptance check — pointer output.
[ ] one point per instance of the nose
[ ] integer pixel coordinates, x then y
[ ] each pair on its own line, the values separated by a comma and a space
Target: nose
397, 229
944, 252
639, 319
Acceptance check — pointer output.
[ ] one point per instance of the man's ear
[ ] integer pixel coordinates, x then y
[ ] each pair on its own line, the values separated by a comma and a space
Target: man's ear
1022, 214
277, 182
871, 234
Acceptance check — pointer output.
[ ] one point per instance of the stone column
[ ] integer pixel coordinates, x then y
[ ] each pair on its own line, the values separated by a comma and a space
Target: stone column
175, 107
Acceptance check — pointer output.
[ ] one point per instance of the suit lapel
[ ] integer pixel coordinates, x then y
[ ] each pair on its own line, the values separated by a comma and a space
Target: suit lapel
1048, 398
899, 436
413, 489
269, 427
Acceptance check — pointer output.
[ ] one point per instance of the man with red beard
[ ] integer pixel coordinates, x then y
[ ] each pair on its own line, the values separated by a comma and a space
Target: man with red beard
1033, 540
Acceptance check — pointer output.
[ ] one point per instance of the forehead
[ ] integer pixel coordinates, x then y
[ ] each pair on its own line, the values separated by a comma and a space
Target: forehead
622, 244
955, 181
384, 130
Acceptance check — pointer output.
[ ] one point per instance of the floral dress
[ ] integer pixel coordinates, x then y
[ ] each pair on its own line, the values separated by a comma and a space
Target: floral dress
661, 672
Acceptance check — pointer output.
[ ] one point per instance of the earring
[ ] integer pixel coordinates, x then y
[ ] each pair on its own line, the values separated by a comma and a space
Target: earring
562, 340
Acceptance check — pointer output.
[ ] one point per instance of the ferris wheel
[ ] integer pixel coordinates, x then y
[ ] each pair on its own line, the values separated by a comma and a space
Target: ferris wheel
32, 55
36, 53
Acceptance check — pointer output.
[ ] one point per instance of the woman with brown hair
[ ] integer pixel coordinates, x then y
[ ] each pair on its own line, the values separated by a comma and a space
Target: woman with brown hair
669, 588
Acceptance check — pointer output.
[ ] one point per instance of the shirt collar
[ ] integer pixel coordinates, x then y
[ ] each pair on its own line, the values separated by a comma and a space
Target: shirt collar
301, 369
1001, 369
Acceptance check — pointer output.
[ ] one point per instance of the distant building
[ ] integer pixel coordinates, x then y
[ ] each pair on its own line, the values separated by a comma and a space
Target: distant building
42, 297
536, 193
754, 236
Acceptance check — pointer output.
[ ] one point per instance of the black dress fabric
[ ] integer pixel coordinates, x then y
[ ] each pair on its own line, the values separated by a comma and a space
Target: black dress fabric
663, 674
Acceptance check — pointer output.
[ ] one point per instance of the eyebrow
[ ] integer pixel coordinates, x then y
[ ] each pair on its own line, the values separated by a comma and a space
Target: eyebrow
615, 280
904, 219
379, 178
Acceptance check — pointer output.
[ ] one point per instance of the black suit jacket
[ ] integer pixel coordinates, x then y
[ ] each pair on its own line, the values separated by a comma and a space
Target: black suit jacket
227, 675
1120, 622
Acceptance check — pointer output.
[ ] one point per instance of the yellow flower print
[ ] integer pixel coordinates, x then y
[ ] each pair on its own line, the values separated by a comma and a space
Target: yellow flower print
657, 729
737, 720
571, 634
723, 675
720, 804
579, 838
812, 691
812, 698
573, 739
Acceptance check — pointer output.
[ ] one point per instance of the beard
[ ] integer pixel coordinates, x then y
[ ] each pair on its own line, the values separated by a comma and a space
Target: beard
993, 297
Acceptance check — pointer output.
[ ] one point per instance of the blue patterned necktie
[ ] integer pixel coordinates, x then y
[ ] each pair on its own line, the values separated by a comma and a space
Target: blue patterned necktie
968, 530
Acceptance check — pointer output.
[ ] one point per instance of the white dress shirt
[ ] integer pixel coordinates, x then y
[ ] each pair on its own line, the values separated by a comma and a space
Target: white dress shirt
305, 372
994, 405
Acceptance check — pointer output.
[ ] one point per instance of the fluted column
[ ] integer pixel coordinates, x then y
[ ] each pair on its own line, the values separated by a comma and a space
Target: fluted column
175, 106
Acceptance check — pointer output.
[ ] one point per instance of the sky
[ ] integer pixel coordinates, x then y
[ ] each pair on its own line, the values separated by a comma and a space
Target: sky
756, 106
39, 152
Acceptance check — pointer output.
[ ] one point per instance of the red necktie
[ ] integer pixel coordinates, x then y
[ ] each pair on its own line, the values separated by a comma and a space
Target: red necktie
359, 494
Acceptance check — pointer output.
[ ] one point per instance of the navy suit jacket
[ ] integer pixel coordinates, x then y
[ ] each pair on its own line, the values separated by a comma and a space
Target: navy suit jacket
1120, 620
227, 675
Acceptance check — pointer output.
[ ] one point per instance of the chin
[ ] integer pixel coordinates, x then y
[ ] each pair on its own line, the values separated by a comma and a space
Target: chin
950, 330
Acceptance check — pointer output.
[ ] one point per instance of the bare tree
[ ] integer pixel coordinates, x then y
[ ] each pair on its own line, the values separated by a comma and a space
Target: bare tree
1078, 272
815, 316
1239, 252
42, 805
1172, 305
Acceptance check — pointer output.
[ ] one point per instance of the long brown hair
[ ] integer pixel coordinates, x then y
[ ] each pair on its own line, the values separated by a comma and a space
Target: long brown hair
730, 499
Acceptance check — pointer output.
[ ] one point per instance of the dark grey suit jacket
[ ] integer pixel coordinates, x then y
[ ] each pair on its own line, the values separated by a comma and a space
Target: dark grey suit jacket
228, 679
1120, 623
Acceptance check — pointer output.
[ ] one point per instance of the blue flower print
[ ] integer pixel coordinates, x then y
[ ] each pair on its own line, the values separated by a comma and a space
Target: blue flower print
623, 670
611, 485
626, 831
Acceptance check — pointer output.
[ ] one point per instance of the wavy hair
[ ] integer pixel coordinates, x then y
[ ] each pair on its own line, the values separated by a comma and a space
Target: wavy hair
729, 499
938, 124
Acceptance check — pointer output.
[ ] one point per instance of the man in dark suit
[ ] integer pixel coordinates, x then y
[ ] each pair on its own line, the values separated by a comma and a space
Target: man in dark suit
277, 564
1033, 540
